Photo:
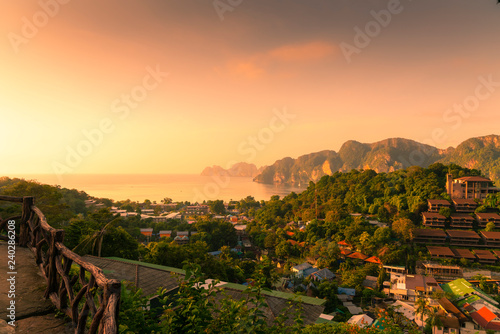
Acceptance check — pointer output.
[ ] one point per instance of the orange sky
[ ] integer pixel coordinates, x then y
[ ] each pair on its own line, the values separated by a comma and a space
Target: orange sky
227, 79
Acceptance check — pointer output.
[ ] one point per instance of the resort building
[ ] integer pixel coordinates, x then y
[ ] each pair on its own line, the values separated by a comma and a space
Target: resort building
437, 270
440, 252
464, 205
147, 232
165, 234
436, 204
485, 256
463, 238
471, 187
464, 254
432, 219
158, 219
491, 239
182, 237
484, 218
174, 215
461, 220
395, 270
429, 236
197, 209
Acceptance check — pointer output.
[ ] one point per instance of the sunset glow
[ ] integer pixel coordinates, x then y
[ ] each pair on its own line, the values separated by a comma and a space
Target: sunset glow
161, 86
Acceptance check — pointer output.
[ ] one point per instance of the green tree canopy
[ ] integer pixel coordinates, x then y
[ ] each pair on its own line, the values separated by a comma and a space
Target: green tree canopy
217, 207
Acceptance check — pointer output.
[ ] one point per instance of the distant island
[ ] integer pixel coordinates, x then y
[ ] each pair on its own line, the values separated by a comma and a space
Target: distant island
240, 169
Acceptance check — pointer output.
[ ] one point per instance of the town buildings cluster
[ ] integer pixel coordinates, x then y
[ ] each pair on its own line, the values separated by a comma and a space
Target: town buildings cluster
454, 233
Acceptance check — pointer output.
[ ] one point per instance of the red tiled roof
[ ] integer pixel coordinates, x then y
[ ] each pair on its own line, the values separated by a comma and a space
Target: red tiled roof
374, 259
468, 307
483, 317
440, 251
290, 233
464, 201
463, 234
147, 231
425, 232
491, 235
465, 253
482, 215
343, 243
484, 254
295, 243
357, 255
461, 215
438, 201
494, 325
428, 215
474, 179
345, 252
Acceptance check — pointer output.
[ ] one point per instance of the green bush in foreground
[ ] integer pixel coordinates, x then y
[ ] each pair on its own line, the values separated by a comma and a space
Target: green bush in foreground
195, 309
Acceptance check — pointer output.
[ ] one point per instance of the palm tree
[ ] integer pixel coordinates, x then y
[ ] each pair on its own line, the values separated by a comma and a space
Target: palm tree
421, 308
91, 241
434, 319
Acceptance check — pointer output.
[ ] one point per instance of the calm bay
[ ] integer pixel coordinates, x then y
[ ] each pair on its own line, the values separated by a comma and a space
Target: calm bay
155, 187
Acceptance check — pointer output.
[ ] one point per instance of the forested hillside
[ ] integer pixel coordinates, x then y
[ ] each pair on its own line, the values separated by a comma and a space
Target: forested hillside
479, 153
384, 194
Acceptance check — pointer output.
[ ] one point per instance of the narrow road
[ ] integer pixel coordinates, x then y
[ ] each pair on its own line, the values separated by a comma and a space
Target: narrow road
34, 314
